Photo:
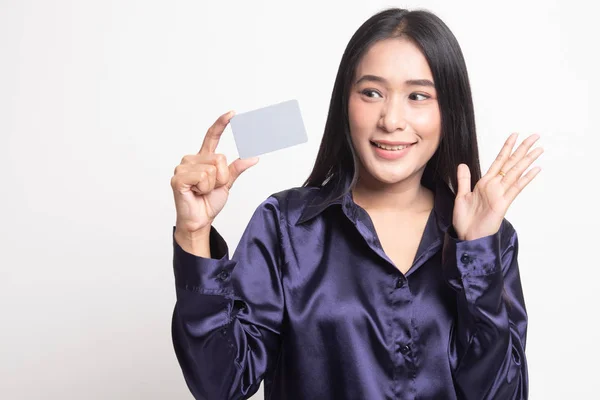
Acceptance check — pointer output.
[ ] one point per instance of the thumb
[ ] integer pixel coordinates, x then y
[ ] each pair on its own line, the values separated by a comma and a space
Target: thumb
463, 176
238, 166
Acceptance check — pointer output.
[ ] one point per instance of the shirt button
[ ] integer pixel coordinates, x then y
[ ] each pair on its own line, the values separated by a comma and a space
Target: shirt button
400, 282
465, 258
223, 275
405, 349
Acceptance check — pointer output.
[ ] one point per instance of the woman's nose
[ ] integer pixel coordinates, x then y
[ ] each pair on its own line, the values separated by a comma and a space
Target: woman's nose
393, 116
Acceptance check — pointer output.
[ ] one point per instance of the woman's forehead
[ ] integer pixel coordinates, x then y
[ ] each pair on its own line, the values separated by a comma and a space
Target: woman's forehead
396, 60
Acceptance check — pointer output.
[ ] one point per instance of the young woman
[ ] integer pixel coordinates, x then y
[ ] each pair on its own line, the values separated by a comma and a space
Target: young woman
392, 273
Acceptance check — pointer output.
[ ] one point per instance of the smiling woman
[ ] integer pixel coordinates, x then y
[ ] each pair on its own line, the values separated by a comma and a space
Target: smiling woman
391, 273
393, 112
414, 66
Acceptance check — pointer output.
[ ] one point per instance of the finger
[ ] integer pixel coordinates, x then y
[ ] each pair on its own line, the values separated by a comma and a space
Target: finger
213, 135
237, 167
195, 181
189, 159
203, 185
222, 177
212, 176
200, 178
206, 182
193, 160
518, 186
463, 175
517, 170
503, 155
519, 153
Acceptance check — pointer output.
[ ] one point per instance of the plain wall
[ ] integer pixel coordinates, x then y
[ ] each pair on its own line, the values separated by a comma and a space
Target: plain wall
100, 100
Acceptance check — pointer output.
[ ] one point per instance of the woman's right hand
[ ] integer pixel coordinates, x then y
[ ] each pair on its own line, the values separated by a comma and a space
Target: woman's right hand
202, 181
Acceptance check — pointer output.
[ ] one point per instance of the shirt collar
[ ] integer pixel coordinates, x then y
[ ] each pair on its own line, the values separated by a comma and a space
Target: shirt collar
325, 197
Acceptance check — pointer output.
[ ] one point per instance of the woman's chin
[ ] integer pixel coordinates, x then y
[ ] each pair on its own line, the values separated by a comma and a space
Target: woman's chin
380, 173
392, 180
388, 177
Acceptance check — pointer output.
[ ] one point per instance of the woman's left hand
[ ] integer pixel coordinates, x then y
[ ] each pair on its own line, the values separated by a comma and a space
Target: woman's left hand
480, 212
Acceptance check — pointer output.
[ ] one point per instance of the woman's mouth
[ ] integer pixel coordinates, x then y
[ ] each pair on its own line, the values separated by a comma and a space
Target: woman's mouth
390, 150
391, 147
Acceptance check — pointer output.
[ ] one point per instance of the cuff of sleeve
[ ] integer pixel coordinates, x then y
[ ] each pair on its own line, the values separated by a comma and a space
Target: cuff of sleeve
209, 275
465, 258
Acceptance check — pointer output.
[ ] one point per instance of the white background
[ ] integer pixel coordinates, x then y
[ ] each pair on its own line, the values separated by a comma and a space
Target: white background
99, 101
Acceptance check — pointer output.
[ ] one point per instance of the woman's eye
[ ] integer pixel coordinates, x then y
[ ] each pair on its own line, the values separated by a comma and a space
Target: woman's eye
371, 93
418, 96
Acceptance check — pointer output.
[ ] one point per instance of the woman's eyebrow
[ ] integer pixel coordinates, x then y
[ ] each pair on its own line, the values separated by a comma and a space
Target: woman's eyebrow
410, 82
419, 82
372, 78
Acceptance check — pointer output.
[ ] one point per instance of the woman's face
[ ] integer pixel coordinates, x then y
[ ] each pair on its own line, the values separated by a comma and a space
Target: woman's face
393, 112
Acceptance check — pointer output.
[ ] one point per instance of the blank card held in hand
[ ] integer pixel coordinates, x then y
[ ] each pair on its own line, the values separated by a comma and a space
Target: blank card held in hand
268, 129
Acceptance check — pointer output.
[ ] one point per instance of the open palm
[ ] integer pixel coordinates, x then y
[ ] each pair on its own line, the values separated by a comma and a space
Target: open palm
480, 212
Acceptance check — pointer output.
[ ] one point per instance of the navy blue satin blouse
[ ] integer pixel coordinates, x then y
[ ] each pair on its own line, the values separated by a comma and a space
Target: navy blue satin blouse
311, 305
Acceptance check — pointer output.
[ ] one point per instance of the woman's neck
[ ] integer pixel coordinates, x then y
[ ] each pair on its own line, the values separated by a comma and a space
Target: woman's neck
405, 196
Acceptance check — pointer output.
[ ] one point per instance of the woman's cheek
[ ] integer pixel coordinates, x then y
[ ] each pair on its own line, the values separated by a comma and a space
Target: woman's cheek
427, 123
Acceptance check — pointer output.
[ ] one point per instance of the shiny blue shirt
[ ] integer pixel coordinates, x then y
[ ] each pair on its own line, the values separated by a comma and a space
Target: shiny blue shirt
311, 305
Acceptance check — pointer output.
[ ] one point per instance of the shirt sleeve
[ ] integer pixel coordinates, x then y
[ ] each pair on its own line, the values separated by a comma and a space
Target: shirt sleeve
227, 319
487, 341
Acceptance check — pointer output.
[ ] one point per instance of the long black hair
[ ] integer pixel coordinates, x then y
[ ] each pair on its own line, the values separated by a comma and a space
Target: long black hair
337, 163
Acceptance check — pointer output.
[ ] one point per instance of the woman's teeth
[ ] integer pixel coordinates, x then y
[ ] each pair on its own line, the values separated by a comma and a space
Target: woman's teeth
391, 148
